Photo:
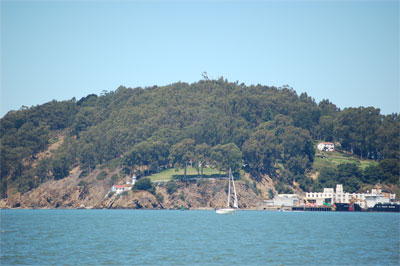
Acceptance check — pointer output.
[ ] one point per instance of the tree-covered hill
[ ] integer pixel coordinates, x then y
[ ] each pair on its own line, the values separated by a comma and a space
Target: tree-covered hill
264, 130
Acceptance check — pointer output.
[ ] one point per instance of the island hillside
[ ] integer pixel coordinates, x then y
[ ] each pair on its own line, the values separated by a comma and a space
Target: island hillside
68, 154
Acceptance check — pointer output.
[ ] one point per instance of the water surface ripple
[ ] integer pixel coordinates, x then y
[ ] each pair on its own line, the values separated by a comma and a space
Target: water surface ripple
139, 237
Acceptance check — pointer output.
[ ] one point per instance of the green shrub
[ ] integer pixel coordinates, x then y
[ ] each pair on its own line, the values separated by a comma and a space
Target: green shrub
200, 182
271, 194
114, 179
114, 163
145, 184
253, 186
101, 176
84, 173
182, 197
215, 189
280, 187
171, 186
288, 190
159, 197
82, 183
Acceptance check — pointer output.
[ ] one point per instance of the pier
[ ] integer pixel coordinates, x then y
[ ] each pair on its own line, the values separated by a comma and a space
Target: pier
312, 209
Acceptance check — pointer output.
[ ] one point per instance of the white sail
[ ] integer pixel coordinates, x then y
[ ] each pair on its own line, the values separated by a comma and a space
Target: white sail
229, 210
235, 202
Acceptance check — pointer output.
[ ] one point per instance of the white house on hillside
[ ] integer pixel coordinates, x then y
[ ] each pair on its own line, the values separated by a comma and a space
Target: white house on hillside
125, 187
121, 188
326, 146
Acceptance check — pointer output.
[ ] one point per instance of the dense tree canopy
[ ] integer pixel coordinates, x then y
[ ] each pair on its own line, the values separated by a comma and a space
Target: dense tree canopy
269, 130
279, 141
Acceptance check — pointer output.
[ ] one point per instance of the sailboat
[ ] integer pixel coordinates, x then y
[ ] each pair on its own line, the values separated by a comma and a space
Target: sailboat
230, 210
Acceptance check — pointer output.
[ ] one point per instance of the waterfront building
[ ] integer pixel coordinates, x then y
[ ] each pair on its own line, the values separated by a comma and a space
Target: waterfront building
365, 200
284, 200
377, 196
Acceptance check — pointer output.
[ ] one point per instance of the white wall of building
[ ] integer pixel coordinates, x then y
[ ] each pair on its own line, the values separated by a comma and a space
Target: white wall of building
326, 146
122, 188
118, 189
286, 200
363, 199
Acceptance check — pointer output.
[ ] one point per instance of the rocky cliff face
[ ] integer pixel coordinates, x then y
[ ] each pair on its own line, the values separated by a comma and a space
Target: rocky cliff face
70, 192
88, 192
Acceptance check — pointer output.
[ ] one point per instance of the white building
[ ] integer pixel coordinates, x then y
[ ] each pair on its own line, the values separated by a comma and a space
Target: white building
365, 200
326, 146
121, 188
284, 200
377, 196
132, 181
125, 187
319, 198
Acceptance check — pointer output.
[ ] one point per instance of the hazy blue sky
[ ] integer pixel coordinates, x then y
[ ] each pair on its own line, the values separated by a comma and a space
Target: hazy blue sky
347, 52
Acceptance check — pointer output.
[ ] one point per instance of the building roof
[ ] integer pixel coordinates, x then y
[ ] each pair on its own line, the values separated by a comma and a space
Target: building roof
327, 143
122, 186
287, 195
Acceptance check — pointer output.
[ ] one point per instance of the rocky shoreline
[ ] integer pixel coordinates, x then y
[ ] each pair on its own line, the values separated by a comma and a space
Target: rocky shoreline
75, 192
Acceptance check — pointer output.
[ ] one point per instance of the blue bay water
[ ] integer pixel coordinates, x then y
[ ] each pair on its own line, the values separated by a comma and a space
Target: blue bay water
145, 237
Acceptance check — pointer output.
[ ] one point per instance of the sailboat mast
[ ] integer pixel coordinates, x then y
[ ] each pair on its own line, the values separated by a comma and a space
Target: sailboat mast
229, 191
235, 203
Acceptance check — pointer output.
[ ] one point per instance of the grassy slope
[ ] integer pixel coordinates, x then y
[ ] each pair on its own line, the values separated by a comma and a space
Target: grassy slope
191, 172
331, 159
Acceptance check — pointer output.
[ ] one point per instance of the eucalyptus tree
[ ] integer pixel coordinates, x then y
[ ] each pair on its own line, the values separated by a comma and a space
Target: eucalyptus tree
202, 154
182, 153
227, 156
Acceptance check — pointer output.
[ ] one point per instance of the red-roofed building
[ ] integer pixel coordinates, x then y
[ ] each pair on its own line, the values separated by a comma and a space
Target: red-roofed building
121, 188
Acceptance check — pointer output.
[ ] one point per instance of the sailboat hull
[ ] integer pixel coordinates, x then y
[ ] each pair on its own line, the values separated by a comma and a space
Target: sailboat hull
226, 211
